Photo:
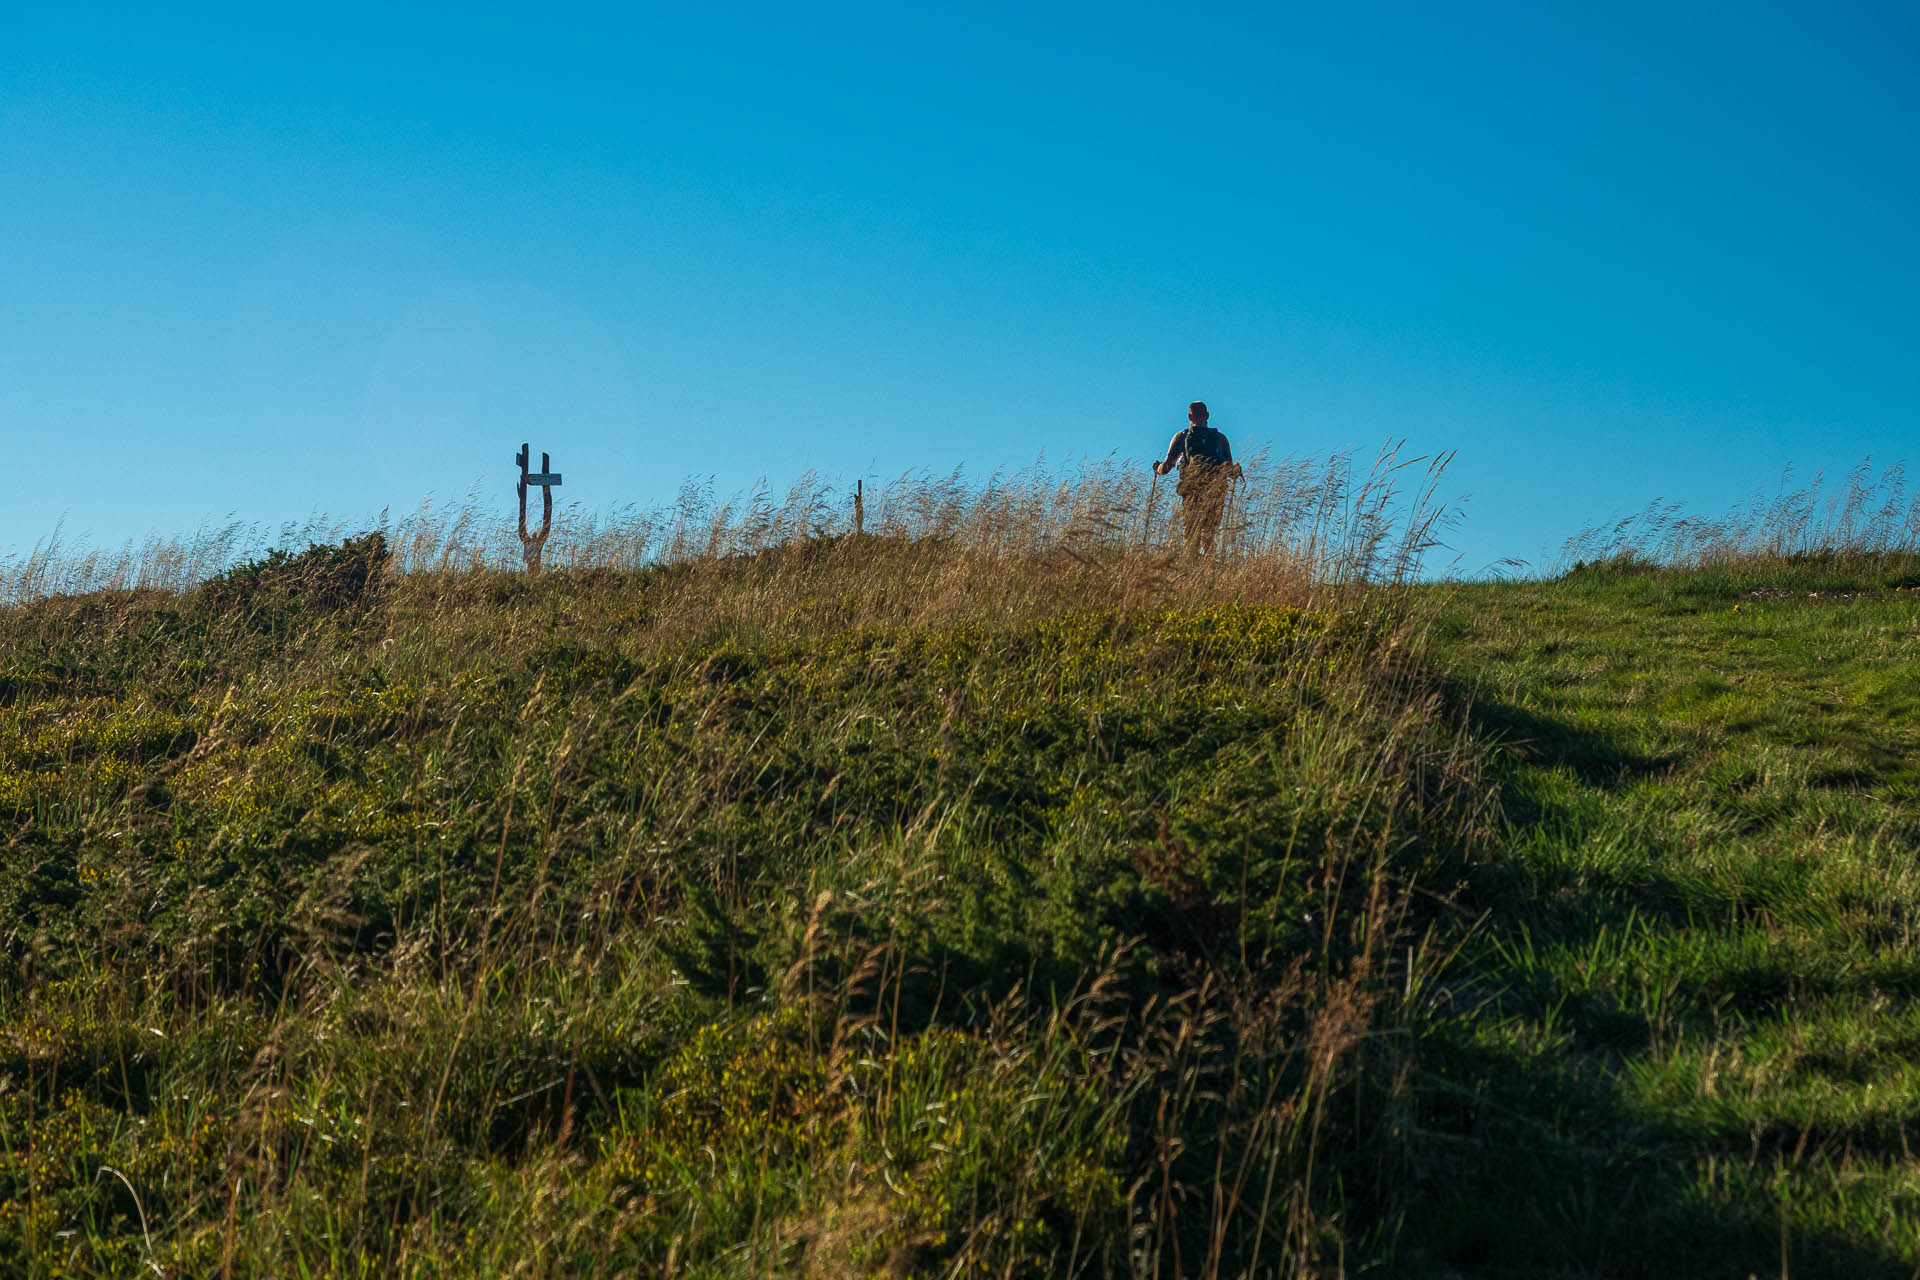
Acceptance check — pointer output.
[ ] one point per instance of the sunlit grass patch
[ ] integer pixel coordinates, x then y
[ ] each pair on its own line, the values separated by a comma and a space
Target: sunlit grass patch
1702, 935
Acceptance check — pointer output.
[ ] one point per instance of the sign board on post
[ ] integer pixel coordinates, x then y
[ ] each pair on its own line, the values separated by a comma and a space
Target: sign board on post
544, 480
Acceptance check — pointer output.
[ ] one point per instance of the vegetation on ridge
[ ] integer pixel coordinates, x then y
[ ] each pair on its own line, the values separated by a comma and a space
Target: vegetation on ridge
485, 919
973, 904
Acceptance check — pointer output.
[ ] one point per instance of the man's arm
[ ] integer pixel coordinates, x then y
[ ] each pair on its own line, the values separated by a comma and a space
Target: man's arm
1176, 449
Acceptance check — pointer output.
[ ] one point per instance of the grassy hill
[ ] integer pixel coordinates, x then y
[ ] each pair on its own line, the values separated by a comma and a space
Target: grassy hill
888, 905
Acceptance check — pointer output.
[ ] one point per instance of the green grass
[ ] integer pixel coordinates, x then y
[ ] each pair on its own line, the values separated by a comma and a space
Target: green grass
1680, 1040
879, 907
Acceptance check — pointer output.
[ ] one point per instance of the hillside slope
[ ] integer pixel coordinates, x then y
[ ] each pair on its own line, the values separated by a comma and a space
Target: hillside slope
866, 906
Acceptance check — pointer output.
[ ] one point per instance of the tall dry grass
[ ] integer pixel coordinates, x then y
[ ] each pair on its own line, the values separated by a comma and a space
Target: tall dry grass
1324, 520
1868, 513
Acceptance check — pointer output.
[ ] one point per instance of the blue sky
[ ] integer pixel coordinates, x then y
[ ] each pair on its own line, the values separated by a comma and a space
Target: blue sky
262, 261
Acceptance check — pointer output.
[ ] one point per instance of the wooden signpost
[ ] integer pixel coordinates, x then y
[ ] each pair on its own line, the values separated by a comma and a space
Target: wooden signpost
544, 479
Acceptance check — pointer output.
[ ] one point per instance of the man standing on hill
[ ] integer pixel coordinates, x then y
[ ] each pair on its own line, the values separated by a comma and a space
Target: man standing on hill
1207, 469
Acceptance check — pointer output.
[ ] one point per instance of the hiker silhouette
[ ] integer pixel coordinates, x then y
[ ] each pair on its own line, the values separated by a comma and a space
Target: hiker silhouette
1207, 473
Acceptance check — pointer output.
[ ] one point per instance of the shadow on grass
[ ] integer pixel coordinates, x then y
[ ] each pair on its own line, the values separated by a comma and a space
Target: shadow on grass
1543, 742
1527, 1168
1528, 1159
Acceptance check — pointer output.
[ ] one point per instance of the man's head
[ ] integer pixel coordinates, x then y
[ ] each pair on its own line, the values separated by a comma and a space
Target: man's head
1197, 413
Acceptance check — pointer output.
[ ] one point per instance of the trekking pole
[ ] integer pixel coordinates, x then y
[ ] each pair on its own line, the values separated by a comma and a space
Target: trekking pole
1226, 516
1146, 525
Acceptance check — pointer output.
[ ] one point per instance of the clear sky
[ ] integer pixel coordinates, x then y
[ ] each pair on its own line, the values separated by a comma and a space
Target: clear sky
268, 260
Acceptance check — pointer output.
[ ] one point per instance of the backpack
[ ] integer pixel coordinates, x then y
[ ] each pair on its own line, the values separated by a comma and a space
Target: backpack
1205, 444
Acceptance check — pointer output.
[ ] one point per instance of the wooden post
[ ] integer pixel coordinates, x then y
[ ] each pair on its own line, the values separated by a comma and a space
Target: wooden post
1146, 523
1226, 519
544, 480
859, 507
